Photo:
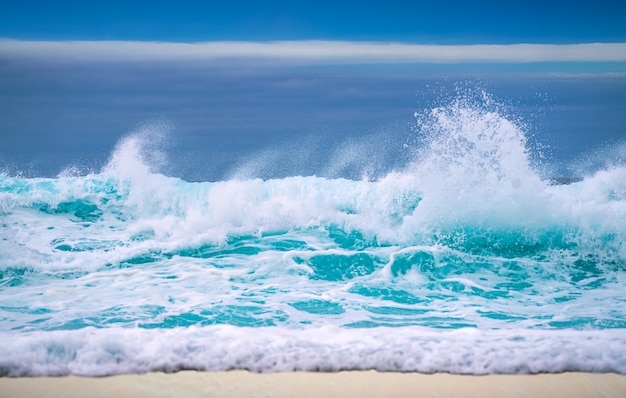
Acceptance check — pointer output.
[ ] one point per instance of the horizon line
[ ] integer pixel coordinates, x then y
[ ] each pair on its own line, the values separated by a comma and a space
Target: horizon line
311, 51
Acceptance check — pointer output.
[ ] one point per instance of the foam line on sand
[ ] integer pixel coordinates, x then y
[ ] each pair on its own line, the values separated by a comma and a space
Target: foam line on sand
317, 384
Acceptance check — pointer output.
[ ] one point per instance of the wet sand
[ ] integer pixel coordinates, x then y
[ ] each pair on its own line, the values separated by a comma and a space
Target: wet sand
317, 384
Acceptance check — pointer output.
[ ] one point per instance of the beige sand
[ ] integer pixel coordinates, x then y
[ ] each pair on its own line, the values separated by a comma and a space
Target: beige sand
311, 384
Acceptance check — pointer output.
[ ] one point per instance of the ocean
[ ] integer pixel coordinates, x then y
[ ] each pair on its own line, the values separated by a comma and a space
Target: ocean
458, 251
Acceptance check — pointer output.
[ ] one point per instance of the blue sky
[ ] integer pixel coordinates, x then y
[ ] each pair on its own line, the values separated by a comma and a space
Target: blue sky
318, 32
431, 22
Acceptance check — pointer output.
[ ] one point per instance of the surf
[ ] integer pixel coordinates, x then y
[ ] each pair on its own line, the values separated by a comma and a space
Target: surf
465, 244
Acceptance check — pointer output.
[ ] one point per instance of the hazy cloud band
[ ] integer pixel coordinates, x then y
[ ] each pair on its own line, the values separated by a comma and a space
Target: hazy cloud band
314, 51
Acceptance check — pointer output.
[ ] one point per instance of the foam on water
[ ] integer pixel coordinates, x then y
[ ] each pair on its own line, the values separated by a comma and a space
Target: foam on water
97, 352
477, 264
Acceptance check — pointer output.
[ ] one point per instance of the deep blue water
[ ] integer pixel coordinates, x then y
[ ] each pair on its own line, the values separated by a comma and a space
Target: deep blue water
213, 122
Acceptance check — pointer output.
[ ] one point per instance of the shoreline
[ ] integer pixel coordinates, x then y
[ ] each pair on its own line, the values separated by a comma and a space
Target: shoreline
241, 383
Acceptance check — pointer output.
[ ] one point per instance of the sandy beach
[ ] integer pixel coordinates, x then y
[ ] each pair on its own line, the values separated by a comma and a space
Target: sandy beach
314, 384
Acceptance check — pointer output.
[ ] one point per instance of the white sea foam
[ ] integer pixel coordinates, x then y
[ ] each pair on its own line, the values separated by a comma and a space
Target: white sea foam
93, 352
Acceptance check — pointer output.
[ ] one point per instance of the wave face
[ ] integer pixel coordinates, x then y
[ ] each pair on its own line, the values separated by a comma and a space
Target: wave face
464, 261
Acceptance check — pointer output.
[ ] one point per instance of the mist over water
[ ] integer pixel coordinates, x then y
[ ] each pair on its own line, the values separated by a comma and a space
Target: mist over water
446, 250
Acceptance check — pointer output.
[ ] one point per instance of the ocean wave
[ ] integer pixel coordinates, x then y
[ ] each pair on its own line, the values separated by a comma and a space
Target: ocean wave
468, 236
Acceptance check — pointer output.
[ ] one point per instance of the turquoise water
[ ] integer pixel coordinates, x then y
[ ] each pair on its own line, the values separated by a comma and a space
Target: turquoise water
466, 260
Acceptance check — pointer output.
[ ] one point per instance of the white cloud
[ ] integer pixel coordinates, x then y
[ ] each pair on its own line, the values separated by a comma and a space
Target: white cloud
312, 52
